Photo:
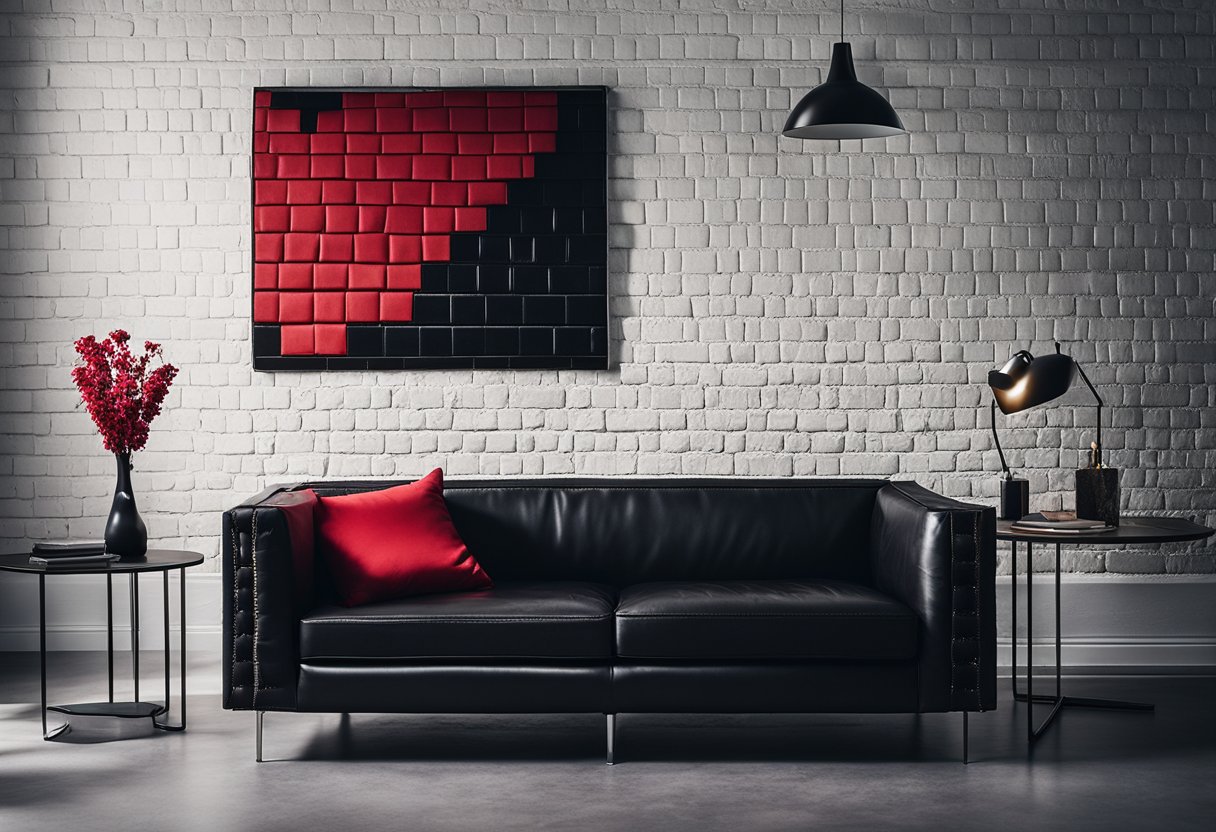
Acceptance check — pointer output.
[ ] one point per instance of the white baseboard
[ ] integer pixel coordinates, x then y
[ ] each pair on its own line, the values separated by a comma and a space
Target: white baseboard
1125, 622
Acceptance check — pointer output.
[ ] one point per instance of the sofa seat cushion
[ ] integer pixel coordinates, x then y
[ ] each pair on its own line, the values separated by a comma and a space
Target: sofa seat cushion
543, 620
746, 620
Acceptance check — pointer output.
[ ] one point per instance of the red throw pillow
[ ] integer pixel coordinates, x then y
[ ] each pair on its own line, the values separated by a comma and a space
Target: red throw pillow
395, 542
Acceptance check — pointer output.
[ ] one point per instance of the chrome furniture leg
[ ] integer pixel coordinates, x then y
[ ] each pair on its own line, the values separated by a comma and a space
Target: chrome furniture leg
965, 760
258, 740
611, 726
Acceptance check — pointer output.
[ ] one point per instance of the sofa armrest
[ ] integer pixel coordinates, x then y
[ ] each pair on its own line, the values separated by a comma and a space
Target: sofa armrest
938, 556
268, 585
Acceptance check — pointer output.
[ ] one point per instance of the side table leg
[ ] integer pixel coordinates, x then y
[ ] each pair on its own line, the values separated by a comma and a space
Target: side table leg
110, 633
135, 632
181, 726
1013, 606
42, 645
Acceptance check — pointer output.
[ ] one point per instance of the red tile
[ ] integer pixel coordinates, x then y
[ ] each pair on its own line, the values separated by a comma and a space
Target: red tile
326, 142
470, 219
341, 219
295, 276
411, 193
338, 192
438, 221
336, 248
308, 218
392, 167
361, 166
432, 167
396, 306
265, 307
487, 193
439, 143
330, 339
271, 218
390, 99
294, 166
304, 192
392, 120
288, 142
436, 247
265, 166
259, 118
360, 121
401, 143
366, 275
468, 167
404, 249
370, 248
405, 277
542, 142
327, 167
430, 118
265, 276
330, 121
362, 307
295, 307
329, 307
475, 143
424, 99
540, 118
540, 98
300, 248
527, 167
506, 119
503, 167
330, 275
270, 193
261, 98
504, 99
261, 141
371, 218
362, 143
464, 98
511, 143
374, 193
283, 121
351, 100
268, 248
296, 340
403, 219
452, 193
468, 119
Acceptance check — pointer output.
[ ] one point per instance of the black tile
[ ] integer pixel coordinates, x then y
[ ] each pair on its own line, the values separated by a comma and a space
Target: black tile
462, 278
572, 340
587, 310
434, 340
504, 309
544, 309
590, 363
495, 249
266, 340
570, 280
550, 250
401, 340
599, 340
538, 220
464, 248
305, 100
482, 362
493, 278
590, 117
468, 309
364, 340
567, 116
468, 340
595, 192
346, 363
563, 193
568, 222
576, 142
394, 362
522, 250
434, 277
589, 248
525, 192
289, 362
598, 277
502, 340
502, 219
533, 362
535, 341
432, 309
595, 220
529, 279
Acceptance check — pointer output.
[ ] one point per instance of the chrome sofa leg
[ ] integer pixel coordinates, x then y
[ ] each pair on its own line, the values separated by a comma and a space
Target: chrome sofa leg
258, 735
611, 725
965, 738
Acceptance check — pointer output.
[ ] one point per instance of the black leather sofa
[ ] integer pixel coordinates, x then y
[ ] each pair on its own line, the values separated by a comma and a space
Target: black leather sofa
632, 596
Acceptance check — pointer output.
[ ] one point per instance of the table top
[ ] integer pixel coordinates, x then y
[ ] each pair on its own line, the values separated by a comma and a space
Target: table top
158, 560
1130, 530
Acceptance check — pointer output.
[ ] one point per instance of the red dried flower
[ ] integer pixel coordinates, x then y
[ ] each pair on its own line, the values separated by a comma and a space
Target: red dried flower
117, 389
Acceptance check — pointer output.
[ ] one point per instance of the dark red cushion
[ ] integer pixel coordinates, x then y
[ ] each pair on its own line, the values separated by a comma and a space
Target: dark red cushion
394, 543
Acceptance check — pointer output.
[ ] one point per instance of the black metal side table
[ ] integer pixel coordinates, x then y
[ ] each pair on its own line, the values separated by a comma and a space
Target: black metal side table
1131, 530
158, 560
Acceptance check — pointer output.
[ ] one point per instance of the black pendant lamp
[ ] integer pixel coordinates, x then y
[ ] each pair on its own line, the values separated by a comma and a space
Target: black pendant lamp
842, 107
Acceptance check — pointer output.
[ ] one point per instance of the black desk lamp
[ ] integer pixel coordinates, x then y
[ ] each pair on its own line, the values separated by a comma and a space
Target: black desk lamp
1025, 382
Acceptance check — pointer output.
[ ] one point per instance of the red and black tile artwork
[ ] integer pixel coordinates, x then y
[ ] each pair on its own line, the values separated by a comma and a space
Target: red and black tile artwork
430, 228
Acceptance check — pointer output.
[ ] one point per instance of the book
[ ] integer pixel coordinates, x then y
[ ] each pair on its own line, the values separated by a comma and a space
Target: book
1060, 522
65, 561
68, 548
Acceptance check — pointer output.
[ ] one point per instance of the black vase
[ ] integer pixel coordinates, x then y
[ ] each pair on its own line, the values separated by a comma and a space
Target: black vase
126, 534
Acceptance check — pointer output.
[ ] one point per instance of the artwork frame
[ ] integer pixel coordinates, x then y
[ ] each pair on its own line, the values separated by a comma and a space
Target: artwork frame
458, 228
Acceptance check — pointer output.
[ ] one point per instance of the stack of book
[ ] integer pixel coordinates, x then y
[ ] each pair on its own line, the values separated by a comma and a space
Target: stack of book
1060, 522
61, 554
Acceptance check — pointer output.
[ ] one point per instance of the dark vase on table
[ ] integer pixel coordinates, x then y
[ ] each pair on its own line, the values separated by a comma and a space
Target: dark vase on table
126, 534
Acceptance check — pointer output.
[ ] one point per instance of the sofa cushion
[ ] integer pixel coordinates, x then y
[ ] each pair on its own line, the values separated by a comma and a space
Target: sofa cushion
762, 620
543, 620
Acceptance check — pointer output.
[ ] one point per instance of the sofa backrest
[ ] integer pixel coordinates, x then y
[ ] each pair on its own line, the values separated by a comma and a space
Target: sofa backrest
624, 531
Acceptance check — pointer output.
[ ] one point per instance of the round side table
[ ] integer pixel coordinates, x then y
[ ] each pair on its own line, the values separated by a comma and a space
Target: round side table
157, 560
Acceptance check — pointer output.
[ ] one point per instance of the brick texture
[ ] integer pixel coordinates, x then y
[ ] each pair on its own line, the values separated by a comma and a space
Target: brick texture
778, 308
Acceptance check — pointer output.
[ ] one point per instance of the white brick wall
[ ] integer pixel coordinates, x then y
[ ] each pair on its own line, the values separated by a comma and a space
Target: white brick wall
778, 308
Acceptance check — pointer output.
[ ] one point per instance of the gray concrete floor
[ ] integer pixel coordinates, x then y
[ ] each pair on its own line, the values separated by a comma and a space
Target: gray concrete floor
1096, 770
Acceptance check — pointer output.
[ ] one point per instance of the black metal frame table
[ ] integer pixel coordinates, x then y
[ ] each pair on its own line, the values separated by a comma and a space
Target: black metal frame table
1131, 530
157, 560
